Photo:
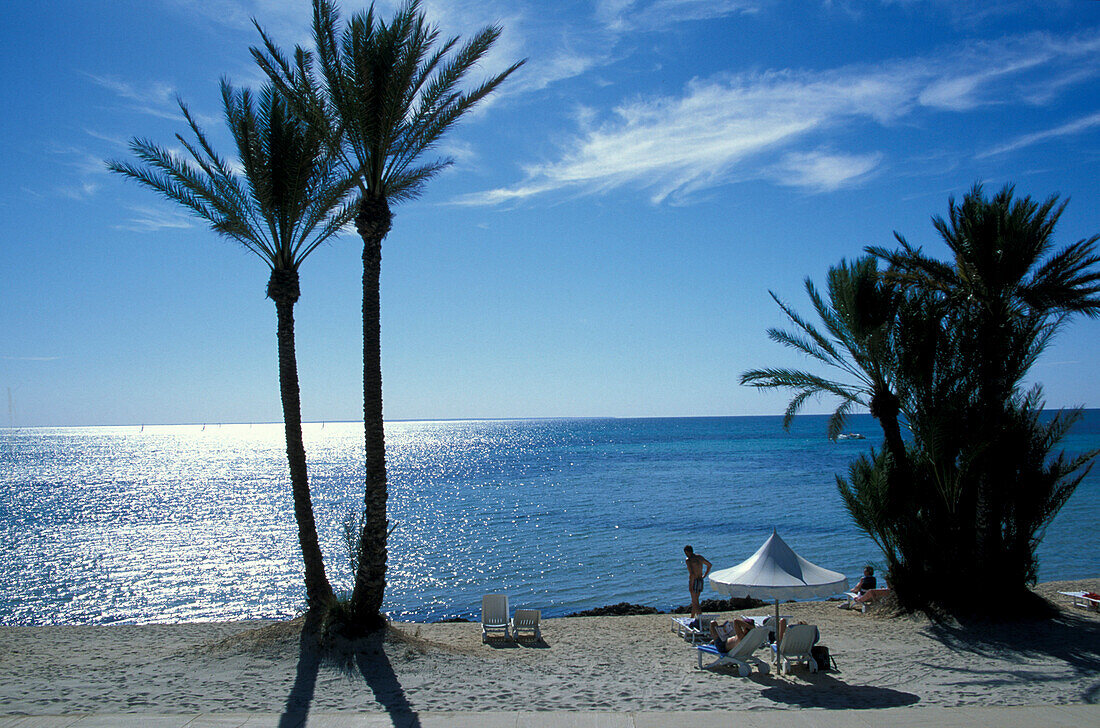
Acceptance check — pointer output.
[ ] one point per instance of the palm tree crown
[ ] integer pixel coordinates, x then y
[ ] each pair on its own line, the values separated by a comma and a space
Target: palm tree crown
384, 93
290, 198
1002, 261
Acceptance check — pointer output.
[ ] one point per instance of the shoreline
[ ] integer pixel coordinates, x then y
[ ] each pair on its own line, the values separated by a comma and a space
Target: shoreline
627, 663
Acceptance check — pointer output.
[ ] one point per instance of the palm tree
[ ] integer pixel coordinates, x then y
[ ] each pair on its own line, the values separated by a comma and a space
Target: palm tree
860, 319
288, 201
384, 96
1009, 291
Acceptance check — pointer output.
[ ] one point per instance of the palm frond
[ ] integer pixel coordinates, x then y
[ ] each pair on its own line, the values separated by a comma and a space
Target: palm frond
827, 351
384, 92
288, 197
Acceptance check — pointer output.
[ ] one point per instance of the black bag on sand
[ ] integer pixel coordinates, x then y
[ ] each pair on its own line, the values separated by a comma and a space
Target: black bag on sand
821, 656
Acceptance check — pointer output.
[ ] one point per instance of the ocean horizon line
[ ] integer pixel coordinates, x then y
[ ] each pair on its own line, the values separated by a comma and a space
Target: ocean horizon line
535, 418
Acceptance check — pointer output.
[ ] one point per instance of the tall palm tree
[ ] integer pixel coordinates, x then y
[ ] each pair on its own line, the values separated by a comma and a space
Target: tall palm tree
385, 94
1010, 291
287, 201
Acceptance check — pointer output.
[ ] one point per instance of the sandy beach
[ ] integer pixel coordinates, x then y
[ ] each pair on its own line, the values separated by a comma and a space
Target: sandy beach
584, 663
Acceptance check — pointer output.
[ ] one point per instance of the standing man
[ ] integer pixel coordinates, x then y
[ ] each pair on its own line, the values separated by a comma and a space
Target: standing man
696, 577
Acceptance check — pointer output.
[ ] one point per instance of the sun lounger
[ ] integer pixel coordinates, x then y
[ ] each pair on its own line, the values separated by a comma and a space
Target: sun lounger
526, 620
798, 639
494, 615
682, 625
1086, 600
701, 632
740, 656
872, 595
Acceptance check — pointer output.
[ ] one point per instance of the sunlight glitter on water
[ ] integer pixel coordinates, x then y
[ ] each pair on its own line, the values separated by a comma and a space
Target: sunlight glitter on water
188, 523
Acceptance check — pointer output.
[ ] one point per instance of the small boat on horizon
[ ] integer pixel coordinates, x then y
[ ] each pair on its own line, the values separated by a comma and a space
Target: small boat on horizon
850, 436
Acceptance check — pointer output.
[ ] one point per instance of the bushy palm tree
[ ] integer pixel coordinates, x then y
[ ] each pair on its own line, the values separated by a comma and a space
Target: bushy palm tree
384, 94
286, 200
966, 499
1007, 291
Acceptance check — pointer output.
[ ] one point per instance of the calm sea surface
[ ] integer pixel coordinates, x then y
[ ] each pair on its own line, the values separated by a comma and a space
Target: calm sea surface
189, 523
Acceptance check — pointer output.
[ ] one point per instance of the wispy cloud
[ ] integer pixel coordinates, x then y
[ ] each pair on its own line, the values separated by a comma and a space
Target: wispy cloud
975, 13
155, 99
113, 140
676, 146
78, 192
823, 171
645, 15
1068, 129
30, 358
87, 168
151, 220
287, 20
1030, 69
733, 127
84, 162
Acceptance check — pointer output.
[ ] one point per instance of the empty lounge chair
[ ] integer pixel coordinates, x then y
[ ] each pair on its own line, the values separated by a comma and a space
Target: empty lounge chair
700, 633
526, 620
798, 640
494, 615
1086, 600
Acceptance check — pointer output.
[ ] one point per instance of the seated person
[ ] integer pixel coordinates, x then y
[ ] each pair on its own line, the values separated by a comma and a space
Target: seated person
861, 589
783, 628
728, 634
867, 583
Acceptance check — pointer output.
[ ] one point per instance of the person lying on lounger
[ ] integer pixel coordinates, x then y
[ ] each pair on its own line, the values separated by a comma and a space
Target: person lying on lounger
868, 596
728, 634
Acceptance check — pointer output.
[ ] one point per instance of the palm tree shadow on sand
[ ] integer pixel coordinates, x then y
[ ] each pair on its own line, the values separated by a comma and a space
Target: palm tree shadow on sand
364, 658
1066, 638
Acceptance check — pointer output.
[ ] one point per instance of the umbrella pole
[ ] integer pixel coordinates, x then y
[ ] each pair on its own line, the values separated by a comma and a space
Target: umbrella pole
775, 651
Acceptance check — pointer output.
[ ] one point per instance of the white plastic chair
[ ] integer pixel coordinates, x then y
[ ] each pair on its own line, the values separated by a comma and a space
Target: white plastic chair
682, 626
494, 615
868, 598
795, 647
526, 620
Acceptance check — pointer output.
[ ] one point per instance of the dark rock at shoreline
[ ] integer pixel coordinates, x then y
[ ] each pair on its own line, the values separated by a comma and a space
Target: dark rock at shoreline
624, 609
723, 605
621, 609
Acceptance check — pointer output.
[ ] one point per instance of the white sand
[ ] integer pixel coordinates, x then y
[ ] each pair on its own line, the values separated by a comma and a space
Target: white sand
592, 663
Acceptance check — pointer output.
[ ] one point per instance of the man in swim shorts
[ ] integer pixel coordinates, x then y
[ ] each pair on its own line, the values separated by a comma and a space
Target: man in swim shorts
698, 568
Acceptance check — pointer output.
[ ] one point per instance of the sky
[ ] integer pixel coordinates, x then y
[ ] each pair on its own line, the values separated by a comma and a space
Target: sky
605, 241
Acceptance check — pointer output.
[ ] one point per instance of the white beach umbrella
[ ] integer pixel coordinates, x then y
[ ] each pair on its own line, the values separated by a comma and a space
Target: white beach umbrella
776, 572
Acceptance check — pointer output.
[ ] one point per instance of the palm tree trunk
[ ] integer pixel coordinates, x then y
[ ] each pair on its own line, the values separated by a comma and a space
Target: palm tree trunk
373, 223
994, 393
885, 408
282, 288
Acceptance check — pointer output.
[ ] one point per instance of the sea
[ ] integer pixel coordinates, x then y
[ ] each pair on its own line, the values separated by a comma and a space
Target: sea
187, 523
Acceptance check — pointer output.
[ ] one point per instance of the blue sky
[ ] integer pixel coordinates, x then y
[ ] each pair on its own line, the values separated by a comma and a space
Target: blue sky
604, 243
